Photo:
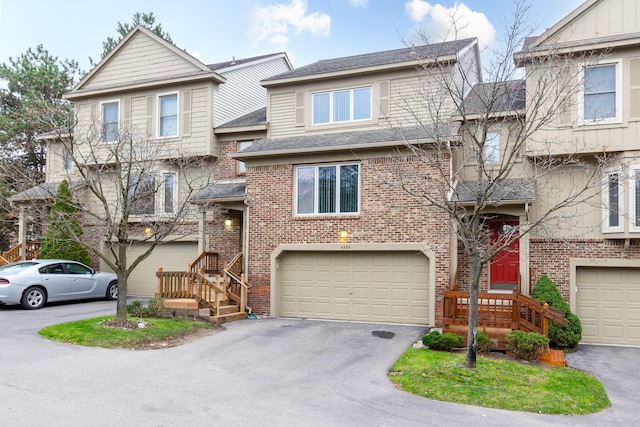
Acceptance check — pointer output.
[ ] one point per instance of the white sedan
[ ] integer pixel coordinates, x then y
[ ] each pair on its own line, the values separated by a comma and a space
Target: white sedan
35, 282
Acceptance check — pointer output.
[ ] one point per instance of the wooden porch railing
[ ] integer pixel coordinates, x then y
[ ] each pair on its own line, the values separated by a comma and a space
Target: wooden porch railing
510, 311
206, 261
237, 286
13, 254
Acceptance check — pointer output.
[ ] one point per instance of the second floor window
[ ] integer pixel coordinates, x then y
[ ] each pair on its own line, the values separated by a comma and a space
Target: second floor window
327, 189
169, 193
601, 93
492, 147
242, 168
612, 198
142, 192
110, 114
168, 115
341, 106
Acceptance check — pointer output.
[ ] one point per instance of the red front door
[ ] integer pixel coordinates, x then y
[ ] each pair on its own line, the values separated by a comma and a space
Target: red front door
505, 266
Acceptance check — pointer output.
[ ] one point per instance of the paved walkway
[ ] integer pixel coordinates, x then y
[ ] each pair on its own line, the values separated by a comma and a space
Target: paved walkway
271, 372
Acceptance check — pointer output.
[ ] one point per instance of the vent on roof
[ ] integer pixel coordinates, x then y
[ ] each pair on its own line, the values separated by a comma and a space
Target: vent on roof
233, 60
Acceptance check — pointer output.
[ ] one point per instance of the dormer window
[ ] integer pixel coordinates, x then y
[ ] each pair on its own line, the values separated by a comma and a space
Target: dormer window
342, 106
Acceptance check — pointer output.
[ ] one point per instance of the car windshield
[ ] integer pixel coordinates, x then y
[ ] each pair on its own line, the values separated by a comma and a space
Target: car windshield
18, 266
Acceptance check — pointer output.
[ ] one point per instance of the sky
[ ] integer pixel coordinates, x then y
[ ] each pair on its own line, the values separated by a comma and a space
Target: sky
219, 30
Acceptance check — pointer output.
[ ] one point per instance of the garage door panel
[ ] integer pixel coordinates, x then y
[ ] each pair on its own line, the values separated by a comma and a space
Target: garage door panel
608, 305
368, 286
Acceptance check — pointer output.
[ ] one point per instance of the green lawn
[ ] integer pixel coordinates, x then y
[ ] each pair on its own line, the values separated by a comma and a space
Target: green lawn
160, 333
503, 384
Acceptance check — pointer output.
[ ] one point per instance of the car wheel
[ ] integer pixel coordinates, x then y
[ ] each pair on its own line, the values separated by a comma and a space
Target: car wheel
112, 291
33, 298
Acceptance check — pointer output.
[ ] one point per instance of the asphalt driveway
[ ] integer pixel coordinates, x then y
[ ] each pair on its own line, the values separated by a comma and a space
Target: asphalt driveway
265, 372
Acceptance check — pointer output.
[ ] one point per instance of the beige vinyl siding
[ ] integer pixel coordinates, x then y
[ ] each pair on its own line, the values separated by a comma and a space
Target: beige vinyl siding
142, 121
282, 114
141, 59
607, 18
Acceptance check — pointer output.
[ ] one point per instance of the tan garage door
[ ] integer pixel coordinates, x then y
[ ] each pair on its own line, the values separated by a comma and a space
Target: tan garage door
170, 256
385, 287
608, 305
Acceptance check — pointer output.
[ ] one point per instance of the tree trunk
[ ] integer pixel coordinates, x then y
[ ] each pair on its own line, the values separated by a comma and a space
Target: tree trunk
121, 310
474, 285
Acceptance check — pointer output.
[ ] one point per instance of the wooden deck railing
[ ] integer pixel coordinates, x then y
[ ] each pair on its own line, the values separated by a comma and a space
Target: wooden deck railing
237, 286
206, 261
510, 311
13, 254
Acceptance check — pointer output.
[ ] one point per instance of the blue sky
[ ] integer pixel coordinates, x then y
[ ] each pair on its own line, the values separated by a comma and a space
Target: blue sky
217, 30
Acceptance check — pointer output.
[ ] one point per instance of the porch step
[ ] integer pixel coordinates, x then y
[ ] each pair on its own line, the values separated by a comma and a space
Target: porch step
553, 358
222, 318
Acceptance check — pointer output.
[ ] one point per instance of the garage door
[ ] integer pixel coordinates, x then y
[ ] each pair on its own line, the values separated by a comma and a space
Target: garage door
171, 257
362, 286
608, 305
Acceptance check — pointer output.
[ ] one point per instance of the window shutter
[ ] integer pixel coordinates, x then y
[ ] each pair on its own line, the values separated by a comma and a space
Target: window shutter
186, 113
634, 89
125, 117
565, 109
384, 99
150, 116
95, 120
299, 108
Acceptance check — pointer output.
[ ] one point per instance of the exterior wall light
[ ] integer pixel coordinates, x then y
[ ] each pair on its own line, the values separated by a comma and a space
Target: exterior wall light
147, 231
344, 235
227, 223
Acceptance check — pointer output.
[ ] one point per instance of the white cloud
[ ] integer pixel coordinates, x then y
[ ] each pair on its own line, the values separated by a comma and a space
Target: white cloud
449, 23
274, 23
358, 3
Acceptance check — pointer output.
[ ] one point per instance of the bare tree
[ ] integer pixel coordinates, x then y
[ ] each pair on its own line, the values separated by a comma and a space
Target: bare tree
126, 188
478, 177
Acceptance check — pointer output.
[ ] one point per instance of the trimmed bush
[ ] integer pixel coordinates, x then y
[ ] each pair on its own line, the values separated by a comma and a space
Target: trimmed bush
526, 345
483, 342
560, 336
154, 309
446, 342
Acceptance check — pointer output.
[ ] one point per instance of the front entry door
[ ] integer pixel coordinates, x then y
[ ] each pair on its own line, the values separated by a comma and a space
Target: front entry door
504, 271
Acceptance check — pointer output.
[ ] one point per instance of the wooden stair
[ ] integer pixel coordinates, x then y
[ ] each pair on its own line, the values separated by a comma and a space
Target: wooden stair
554, 358
226, 312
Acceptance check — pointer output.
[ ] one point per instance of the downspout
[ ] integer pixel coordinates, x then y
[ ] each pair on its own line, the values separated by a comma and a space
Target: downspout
245, 249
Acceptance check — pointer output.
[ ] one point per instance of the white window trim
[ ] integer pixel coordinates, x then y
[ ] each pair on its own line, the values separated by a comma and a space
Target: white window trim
633, 226
158, 109
606, 228
102, 103
315, 194
162, 192
498, 148
139, 216
239, 163
331, 92
618, 118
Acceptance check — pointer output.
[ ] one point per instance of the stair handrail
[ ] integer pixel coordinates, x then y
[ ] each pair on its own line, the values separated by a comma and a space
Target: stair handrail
205, 261
235, 282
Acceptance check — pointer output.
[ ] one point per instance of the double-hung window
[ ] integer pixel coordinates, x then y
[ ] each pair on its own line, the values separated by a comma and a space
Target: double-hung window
327, 189
341, 106
168, 115
169, 193
110, 116
242, 167
601, 96
612, 202
492, 147
634, 198
142, 191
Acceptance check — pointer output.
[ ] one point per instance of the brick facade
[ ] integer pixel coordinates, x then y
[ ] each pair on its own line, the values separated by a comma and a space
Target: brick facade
387, 215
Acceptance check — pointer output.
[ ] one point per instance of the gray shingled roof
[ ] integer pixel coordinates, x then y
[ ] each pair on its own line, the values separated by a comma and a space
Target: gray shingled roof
231, 189
348, 140
233, 62
43, 191
509, 190
255, 118
496, 96
415, 53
